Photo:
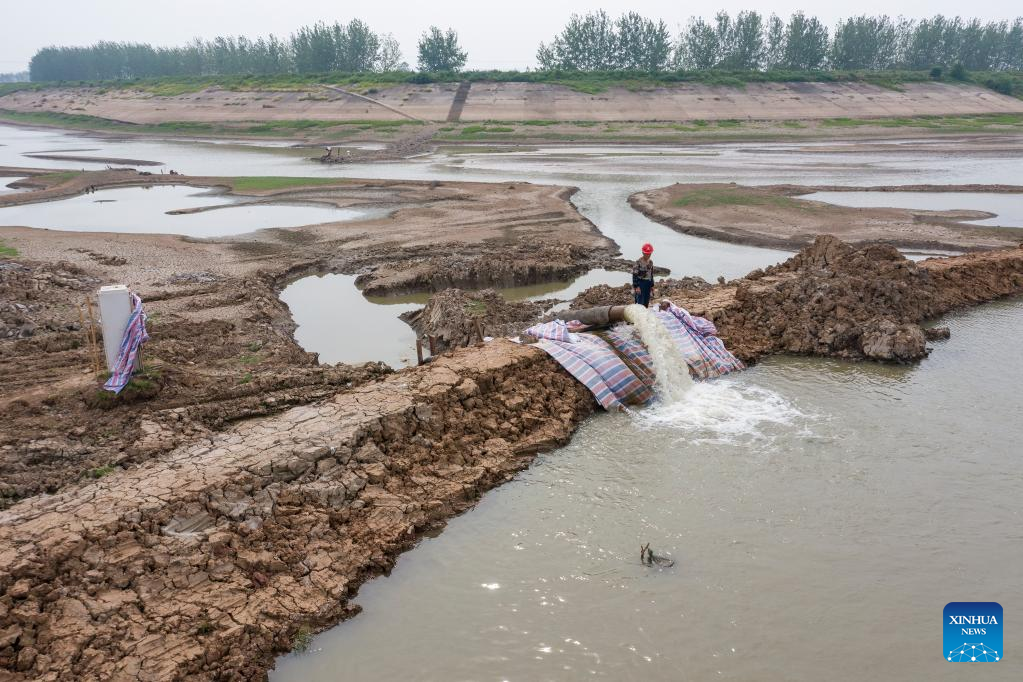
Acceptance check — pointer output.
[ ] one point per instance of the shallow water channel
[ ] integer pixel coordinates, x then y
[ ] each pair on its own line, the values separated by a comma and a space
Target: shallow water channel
821, 515
147, 210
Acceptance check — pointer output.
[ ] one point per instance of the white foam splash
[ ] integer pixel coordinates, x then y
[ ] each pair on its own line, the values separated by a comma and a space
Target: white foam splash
673, 379
726, 411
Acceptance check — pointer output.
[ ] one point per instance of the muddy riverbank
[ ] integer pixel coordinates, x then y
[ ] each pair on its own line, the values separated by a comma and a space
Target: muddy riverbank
222, 343
777, 216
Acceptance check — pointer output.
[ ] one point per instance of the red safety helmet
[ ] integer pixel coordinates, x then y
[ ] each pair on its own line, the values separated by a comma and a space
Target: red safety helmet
647, 249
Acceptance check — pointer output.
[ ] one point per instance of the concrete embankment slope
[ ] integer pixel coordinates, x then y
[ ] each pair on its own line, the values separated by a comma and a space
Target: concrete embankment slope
203, 563
523, 102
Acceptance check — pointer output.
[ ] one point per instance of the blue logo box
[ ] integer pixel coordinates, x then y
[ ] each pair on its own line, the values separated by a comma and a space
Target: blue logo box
973, 632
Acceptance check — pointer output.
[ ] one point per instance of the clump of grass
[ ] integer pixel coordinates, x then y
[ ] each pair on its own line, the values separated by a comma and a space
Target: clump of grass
478, 129
269, 182
476, 308
793, 124
302, 640
100, 472
246, 378
248, 359
711, 197
7, 251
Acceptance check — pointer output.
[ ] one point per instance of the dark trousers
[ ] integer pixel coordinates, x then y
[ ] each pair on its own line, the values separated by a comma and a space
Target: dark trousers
646, 286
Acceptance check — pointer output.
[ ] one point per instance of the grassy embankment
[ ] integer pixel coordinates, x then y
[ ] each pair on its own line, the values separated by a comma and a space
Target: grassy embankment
287, 128
1010, 83
269, 183
712, 197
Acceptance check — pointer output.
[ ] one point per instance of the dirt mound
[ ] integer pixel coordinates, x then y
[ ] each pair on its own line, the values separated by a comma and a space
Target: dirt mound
452, 316
835, 300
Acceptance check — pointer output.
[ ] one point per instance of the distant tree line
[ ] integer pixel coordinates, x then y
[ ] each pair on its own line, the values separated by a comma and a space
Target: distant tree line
19, 77
320, 48
750, 42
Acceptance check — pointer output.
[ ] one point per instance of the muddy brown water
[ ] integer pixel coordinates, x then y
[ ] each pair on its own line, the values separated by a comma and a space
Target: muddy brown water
821, 515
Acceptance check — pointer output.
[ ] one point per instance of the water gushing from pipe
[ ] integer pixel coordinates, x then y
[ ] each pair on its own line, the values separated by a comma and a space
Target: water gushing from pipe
672, 372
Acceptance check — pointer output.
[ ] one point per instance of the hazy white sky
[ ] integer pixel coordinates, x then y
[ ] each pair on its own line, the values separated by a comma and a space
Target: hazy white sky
499, 35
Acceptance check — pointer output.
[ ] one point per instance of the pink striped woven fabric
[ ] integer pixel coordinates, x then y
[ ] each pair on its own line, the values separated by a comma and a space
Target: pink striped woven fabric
134, 336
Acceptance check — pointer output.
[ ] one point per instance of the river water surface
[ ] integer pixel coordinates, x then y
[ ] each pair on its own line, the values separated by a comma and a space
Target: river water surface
821, 515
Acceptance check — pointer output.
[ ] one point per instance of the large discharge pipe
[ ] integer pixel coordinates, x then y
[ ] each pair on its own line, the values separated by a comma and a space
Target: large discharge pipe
601, 316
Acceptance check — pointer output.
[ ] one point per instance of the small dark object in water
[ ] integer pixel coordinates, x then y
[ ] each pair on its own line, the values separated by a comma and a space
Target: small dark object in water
648, 558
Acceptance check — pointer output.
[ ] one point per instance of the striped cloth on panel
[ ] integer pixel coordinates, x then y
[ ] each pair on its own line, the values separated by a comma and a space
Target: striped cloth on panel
134, 336
705, 354
597, 367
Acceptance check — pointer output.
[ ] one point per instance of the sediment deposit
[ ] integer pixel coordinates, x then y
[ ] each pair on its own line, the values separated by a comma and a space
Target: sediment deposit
775, 216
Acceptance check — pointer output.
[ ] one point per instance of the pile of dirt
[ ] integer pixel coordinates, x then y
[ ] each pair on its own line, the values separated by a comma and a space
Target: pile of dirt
835, 300
452, 316
445, 266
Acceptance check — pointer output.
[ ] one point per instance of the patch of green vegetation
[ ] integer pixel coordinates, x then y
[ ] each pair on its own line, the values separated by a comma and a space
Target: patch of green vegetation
945, 123
540, 123
249, 359
483, 129
711, 197
100, 472
255, 346
58, 178
793, 124
246, 378
729, 123
7, 251
302, 640
270, 182
700, 123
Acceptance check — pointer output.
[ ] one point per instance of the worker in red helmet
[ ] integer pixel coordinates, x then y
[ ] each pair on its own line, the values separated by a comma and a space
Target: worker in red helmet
643, 277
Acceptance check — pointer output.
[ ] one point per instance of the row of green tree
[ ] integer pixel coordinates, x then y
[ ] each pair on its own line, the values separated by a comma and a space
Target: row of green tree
751, 42
320, 48
590, 42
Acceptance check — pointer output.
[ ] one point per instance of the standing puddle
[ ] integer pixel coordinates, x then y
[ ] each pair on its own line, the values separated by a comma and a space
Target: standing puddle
143, 210
1008, 208
335, 320
816, 510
